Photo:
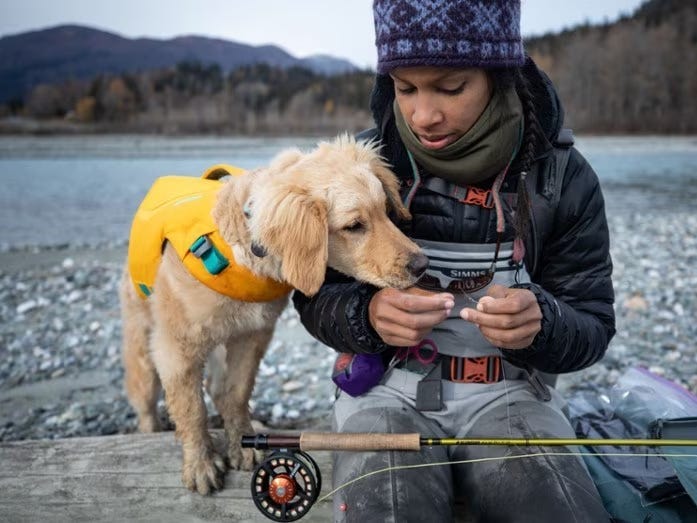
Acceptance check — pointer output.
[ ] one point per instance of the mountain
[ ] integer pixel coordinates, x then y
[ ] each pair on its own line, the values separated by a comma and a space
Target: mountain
634, 75
328, 65
72, 51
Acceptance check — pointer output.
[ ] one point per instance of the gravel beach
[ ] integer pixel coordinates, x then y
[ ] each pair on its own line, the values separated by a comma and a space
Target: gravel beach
60, 363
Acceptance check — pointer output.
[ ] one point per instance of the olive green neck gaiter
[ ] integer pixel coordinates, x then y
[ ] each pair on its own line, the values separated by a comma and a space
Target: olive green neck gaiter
482, 152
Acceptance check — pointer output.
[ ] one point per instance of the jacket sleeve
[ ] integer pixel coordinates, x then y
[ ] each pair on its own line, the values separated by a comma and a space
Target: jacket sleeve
338, 314
574, 290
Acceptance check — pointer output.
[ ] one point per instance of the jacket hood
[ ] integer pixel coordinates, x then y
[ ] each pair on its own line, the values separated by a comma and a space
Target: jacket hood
548, 107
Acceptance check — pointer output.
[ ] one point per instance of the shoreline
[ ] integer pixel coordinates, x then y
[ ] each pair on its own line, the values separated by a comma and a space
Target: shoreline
19, 126
61, 373
16, 259
60, 356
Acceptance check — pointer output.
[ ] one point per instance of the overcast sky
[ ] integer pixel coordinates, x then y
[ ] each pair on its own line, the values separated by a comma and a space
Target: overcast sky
343, 28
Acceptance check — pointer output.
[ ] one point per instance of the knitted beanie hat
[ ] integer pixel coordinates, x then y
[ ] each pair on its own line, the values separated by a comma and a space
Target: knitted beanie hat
450, 33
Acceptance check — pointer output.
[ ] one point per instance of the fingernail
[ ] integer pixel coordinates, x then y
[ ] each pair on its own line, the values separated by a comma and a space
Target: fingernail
449, 304
480, 307
464, 314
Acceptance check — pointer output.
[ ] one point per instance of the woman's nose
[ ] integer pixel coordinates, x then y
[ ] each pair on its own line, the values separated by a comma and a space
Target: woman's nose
425, 114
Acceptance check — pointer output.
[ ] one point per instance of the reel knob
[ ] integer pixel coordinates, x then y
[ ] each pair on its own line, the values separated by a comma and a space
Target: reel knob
282, 489
285, 485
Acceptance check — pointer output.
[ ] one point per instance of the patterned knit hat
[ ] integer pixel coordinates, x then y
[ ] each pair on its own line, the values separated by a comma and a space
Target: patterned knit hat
454, 33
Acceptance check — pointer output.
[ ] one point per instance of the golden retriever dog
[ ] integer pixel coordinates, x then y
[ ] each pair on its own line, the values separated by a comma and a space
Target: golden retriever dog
287, 222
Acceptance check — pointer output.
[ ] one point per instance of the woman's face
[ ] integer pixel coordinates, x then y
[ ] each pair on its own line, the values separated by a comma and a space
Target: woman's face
441, 104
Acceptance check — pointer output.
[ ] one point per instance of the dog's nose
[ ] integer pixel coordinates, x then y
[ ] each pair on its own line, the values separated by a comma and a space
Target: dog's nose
417, 264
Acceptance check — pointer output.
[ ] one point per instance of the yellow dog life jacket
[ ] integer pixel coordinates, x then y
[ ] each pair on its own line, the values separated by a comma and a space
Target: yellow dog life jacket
177, 209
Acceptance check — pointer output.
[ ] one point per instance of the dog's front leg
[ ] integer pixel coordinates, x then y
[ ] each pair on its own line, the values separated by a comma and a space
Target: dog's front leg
243, 357
181, 374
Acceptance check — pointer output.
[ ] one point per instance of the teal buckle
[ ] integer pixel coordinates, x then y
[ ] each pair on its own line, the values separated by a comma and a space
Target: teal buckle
145, 289
211, 257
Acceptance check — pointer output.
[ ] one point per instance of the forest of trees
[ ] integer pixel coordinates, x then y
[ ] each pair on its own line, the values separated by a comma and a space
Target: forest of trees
636, 75
194, 98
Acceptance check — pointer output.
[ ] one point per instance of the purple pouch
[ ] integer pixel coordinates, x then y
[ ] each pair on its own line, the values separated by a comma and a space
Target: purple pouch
357, 373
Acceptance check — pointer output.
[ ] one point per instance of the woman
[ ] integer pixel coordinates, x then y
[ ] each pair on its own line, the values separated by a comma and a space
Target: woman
519, 282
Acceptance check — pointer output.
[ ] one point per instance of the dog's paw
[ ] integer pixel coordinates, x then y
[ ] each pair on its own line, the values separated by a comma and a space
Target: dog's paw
243, 459
204, 475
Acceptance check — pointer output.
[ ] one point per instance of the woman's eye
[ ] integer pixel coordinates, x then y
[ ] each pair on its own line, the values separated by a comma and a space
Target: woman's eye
405, 90
354, 227
452, 92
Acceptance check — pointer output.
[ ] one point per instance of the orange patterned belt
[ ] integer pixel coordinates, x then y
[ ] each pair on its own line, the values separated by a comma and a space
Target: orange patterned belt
484, 369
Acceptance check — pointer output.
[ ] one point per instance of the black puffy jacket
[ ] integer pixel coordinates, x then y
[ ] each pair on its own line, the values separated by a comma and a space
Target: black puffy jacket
567, 250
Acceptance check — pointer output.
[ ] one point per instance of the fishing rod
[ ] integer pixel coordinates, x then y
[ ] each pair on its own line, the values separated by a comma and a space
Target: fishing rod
287, 483
374, 441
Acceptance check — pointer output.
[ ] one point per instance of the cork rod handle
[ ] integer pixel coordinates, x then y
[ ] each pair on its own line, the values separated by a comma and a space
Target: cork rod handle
358, 441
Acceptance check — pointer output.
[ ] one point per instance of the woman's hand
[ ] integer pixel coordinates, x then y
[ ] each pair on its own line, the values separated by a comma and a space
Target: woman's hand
405, 317
508, 318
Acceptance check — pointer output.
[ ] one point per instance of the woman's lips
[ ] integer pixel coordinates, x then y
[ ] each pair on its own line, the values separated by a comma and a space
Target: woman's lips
436, 142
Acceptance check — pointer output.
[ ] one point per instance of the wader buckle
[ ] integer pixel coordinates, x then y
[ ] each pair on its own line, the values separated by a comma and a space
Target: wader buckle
481, 197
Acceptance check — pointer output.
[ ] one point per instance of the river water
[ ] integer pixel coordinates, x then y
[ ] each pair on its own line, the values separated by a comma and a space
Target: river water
83, 190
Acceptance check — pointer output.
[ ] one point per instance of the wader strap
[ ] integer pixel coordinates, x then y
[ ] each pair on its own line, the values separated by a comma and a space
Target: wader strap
470, 195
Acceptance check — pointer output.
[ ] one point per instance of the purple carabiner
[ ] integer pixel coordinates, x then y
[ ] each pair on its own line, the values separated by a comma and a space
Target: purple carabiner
417, 351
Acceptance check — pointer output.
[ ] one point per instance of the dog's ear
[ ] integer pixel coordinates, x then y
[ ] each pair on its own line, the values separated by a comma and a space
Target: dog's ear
228, 216
292, 224
390, 184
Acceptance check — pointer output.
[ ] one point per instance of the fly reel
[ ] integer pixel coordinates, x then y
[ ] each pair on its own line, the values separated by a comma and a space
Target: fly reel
286, 484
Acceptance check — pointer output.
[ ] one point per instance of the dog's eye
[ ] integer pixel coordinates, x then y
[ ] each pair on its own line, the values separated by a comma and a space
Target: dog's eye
354, 227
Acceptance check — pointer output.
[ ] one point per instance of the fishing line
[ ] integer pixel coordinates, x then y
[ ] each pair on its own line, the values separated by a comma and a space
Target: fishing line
502, 458
508, 400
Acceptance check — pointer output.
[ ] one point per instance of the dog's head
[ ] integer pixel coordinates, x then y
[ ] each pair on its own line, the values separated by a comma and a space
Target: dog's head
325, 208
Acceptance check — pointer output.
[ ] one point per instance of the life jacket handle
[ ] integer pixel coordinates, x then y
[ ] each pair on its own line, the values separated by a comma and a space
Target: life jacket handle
221, 170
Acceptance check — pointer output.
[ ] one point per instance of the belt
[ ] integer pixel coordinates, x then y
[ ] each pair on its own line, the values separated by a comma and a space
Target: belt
482, 369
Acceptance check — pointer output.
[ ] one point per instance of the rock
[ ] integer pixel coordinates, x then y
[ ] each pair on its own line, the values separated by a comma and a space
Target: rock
693, 384
27, 306
636, 303
673, 356
72, 341
73, 296
277, 410
82, 335
292, 386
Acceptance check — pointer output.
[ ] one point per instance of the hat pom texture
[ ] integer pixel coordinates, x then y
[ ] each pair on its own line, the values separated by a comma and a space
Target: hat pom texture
447, 33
